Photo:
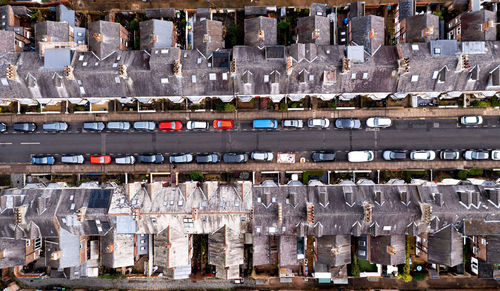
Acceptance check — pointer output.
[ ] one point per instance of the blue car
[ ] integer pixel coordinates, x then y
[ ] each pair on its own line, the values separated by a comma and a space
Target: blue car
43, 160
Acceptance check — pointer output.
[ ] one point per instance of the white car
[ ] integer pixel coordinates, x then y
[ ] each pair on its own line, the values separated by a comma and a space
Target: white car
378, 122
318, 122
126, 160
262, 156
297, 123
360, 156
422, 155
471, 120
495, 155
197, 125
74, 159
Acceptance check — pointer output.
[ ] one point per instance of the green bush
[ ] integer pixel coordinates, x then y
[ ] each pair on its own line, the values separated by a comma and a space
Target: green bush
495, 102
462, 174
283, 107
270, 106
134, 25
196, 176
228, 107
293, 105
333, 105
418, 277
477, 103
355, 265
476, 172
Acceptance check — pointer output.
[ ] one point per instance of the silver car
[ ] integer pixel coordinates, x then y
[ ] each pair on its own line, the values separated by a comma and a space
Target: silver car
181, 159
262, 156
118, 125
55, 126
126, 160
476, 155
93, 126
72, 159
144, 125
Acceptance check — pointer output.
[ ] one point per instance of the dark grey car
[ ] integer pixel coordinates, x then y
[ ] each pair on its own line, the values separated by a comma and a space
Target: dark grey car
233, 158
24, 126
150, 159
207, 158
394, 155
93, 126
323, 157
449, 155
347, 123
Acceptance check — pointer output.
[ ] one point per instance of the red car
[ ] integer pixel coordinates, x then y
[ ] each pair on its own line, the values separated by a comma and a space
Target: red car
170, 125
223, 124
100, 159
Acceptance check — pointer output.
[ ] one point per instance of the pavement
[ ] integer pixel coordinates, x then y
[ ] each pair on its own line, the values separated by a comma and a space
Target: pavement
433, 129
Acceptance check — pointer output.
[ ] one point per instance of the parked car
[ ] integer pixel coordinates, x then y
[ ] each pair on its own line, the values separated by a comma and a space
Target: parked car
471, 120
118, 125
348, 123
422, 155
55, 126
72, 159
93, 126
223, 124
181, 159
232, 158
265, 124
100, 159
323, 157
3, 127
262, 156
170, 125
24, 126
476, 155
43, 160
318, 122
360, 156
394, 155
197, 125
150, 159
449, 155
207, 158
495, 155
296, 123
378, 122
125, 160
144, 125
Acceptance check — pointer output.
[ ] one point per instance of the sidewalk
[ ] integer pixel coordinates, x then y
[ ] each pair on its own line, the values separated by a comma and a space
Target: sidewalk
402, 113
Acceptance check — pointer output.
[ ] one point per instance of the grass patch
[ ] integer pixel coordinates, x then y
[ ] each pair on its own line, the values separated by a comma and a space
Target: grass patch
307, 174
366, 266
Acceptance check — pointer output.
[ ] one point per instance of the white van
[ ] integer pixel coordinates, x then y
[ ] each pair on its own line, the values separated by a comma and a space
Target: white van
360, 156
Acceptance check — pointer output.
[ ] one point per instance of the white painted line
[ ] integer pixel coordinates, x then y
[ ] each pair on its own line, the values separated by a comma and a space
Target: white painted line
30, 143
5, 143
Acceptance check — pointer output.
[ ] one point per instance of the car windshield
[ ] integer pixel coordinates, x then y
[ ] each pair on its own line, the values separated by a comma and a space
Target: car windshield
368, 156
219, 123
101, 159
172, 124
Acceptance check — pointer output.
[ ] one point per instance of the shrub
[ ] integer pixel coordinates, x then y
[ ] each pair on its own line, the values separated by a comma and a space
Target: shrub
419, 277
196, 176
476, 172
283, 107
228, 107
134, 25
333, 105
270, 106
477, 103
355, 265
462, 174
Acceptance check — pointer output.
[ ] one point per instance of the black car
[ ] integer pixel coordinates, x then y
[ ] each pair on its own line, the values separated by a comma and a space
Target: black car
150, 159
3, 127
233, 158
24, 126
207, 158
394, 155
323, 157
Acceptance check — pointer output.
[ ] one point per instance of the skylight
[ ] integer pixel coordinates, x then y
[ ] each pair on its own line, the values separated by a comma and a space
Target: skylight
414, 78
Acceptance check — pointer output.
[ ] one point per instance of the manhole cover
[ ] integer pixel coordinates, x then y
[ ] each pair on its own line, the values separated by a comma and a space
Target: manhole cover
436, 124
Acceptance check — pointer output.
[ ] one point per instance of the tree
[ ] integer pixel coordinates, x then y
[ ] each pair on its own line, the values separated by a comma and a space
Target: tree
231, 36
134, 25
283, 30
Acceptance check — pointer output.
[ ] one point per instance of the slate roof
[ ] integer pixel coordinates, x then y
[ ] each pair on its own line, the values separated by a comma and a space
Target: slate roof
160, 13
406, 9
207, 36
117, 250
225, 250
7, 41
369, 32
471, 25
13, 252
52, 31
104, 38
333, 251
313, 29
492, 253
63, 14
7, 16
254, 27
388, 249
156, 34
288, 251
445, 247
422, 28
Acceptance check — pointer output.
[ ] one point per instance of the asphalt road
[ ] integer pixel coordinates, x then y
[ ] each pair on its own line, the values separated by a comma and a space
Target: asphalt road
434, 134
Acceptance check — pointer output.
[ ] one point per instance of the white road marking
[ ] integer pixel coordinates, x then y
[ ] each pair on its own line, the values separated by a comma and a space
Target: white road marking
27, 143
5, 143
